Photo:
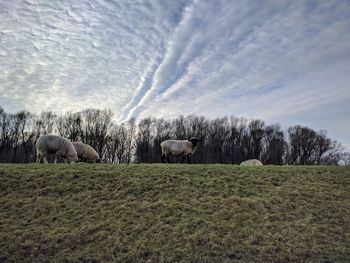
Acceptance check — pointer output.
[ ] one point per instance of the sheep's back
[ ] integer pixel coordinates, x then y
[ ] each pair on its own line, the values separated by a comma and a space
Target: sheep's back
175, 147
49, 143
252, 162
85, 151
79, 148
90, 152
53, 144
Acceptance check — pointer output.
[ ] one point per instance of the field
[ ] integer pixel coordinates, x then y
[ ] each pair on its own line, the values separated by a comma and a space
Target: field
174, 213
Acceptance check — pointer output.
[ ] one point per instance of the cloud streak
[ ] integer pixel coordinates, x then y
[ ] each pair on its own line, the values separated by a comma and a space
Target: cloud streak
280, 61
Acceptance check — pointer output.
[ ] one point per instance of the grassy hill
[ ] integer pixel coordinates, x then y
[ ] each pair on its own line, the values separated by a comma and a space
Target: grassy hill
172, 213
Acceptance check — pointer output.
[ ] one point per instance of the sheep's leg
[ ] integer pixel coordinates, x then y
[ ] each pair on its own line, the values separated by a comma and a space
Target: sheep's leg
189, 158
168, 158
163, 156
183, 159
55, 159
38, 158
44, 159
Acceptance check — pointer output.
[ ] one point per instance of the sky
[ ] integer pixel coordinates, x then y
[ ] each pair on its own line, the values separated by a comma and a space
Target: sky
280, 61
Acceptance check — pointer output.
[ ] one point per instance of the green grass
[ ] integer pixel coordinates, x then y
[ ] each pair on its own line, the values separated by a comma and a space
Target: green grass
174, 213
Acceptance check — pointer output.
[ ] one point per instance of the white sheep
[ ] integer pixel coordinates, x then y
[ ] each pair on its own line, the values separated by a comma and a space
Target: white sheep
86, 152
251, 162
53, 144
179, 148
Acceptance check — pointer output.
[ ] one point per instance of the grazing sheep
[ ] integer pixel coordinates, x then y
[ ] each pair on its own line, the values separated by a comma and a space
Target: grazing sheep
179, 148
53, 144
86, 152
252, 162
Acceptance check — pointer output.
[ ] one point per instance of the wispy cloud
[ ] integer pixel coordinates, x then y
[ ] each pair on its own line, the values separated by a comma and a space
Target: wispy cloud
280, 61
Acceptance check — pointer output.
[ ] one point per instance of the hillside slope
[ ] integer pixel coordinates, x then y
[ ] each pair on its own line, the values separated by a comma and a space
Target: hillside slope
171, 213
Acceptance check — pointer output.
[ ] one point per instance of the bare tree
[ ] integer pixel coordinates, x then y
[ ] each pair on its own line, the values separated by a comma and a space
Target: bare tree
274, 145
322, 145
218, 132
345, 159
179, 128
27, 134
256, 133
113, 147
5, 130
18, 125
224, 140
70, 125
130, 143
333, 155
144, 140
45, 123
95, 127
309, 147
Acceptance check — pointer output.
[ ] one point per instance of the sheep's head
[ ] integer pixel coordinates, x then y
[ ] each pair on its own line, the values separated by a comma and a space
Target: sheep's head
194, 141
72, 159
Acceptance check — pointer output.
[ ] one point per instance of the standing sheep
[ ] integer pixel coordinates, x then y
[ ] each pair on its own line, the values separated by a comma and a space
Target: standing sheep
252, 162
53, 144
86, 152
179, 148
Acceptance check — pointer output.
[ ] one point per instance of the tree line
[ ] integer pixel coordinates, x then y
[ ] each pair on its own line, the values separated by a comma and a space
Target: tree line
227, 140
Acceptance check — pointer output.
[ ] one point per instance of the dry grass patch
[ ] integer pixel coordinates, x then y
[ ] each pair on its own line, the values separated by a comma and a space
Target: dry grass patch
171, 213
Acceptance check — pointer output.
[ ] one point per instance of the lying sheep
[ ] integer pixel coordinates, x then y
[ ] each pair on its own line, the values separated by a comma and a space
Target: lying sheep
86, 152
179, 148
53, 144
252, 162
